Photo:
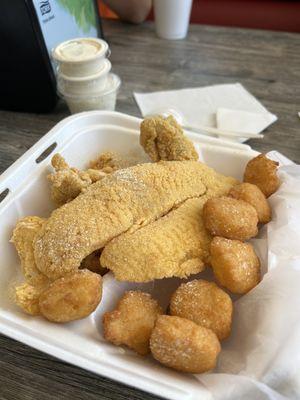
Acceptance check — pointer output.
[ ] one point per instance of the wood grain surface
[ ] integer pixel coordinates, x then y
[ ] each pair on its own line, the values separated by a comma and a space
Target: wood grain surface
266, 63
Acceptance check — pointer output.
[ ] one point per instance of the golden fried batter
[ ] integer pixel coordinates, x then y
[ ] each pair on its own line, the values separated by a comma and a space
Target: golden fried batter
163, 139
235, 264
183, 345
262, 172
254, 196
230, 218
23, 236
67, 183
174, 245
204, 303
131, 323
27, 297
126, 199
110, 161
71, 297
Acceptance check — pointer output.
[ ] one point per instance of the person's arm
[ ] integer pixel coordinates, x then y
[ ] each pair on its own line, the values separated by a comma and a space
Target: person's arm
134, 11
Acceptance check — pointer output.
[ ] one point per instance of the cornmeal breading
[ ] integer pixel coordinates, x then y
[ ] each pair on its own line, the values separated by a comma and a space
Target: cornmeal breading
27, 297
23, 236
110, 161
67, 183
174, 245
163, 139
126, 199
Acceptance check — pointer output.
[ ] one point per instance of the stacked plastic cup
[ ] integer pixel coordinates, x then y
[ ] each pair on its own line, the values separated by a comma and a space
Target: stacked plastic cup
84, 79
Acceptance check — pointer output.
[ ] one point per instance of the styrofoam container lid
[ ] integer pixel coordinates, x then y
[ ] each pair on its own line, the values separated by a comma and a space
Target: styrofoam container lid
80, 50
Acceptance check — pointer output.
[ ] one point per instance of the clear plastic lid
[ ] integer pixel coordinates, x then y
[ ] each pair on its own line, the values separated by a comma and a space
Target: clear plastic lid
113, 84
80, 50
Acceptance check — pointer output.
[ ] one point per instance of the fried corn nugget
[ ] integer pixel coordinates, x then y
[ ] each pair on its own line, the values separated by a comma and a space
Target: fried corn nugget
27, 297
183, 345
71, 297
230, 218
67, 183
125, 200
254, 196
262, 172
205, 304
235, 264
132, 322
92, 263
163, 139
23, 237
175, 245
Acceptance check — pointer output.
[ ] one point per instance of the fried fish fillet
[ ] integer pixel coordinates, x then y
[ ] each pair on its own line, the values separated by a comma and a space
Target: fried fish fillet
23, 236
163, 139
174, 245
125, 200
67, 183
110, 161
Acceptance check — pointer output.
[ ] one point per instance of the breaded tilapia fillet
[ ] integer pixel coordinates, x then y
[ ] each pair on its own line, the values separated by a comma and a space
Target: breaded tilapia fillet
163, 139
67, 183
126, 199
110, 161
23, 236
174, 245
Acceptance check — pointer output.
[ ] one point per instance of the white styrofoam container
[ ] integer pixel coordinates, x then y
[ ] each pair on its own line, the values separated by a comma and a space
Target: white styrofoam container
79, 139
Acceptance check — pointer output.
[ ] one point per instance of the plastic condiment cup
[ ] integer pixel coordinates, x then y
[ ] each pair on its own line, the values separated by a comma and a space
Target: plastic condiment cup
172, 18
86, 85
82, 56
103, 100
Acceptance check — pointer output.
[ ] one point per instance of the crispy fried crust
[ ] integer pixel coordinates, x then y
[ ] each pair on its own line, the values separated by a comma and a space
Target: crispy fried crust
163, 139
174, 245
183, 345
262, 172
27, 297
230, 218
110, 161
126, 199
23, 237
71, 297
235, 264
131, 323
67, 183
254, 196
205, 304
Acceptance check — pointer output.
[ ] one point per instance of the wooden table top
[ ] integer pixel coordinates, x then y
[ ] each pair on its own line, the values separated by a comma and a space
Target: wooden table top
266, 63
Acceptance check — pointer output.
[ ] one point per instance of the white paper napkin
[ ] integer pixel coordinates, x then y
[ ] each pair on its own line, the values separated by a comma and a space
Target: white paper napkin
228, 106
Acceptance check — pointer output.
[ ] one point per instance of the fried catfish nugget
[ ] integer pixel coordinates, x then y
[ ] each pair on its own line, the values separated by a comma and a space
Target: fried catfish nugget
183, 345
71, 297
163, 139
205, 304
131, 323
230, 218
67, 183
125, 200
254, 196
235, 264
262, 172
175, 245
27, 296
23, 237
